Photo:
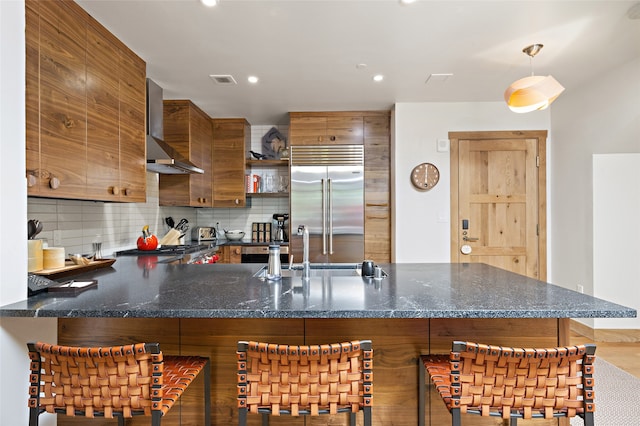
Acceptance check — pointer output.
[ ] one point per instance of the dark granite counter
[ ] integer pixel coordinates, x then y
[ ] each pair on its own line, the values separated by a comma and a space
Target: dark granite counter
138, 288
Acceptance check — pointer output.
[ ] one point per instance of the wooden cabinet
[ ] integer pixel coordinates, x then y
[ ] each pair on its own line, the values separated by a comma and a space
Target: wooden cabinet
75, 113
377, 178
189, 131
231, 143
326, 128
371, 128
230, 254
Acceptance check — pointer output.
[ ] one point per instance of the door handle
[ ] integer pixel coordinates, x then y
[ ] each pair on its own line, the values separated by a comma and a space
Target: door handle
330, 198
324, 218
465, 238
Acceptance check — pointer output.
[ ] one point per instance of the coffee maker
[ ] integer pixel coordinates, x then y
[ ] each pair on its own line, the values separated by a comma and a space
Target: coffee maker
280, 234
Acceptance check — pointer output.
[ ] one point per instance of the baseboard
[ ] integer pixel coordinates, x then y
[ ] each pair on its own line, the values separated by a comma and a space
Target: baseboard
605, 335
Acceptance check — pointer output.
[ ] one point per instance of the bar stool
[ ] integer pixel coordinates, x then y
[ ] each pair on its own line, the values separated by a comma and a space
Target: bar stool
512, 383
117, 381
311, 380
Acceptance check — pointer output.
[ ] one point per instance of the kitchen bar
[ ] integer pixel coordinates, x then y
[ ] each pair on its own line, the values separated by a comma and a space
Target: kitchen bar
416, 309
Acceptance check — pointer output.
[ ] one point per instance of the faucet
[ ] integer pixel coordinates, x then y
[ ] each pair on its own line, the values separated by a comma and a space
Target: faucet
306, 266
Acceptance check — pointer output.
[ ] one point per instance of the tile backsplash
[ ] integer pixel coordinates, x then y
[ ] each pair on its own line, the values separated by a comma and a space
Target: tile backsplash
75, 225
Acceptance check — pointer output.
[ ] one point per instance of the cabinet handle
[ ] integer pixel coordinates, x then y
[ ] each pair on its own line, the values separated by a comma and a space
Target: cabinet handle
332, 138
127, 192
114, 190
54, 182
31, 180
237, 201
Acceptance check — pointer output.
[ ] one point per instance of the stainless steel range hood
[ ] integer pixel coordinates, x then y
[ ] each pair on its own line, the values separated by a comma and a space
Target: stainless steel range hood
161, 157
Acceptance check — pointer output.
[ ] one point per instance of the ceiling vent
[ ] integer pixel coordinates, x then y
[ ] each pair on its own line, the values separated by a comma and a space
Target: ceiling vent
225, 80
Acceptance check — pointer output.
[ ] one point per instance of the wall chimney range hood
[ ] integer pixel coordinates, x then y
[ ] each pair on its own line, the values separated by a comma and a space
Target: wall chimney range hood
161, 157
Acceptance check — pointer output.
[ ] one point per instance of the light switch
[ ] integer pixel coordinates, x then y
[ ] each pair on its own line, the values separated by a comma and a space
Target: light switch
443, 145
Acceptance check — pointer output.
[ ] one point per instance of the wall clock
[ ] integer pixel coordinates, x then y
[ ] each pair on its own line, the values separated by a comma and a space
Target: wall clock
425, 176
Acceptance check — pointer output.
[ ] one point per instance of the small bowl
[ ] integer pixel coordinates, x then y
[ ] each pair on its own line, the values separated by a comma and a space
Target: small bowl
234, 235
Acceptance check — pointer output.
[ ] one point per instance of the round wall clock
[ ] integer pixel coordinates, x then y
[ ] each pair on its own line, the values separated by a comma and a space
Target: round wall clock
425, 176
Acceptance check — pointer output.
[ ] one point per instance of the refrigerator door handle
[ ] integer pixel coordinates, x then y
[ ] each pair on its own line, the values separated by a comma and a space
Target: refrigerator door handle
324, 217
330, 199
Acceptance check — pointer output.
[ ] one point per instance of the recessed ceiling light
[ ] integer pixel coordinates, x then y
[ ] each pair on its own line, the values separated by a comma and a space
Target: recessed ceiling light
378, 77
407, 1
209, 3
361, 66
252, 79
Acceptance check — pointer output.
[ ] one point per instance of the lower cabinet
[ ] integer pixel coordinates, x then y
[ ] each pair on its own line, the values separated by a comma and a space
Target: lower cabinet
230, 254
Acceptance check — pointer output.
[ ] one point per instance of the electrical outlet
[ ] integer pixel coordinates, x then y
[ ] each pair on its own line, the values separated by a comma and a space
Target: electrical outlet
57, 238
580, 288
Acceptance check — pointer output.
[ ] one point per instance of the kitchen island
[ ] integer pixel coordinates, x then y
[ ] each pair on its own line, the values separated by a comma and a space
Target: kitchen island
418, 308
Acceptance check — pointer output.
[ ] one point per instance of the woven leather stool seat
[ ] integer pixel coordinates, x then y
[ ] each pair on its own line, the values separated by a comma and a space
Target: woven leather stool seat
305, 380
117, 381
512, 383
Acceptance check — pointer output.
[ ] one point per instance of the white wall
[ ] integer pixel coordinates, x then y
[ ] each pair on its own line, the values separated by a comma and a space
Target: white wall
421, 219
602, 117
14, 332
616, 234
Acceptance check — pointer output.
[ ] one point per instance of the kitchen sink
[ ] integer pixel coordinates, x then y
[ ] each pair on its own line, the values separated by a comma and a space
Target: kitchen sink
318, 270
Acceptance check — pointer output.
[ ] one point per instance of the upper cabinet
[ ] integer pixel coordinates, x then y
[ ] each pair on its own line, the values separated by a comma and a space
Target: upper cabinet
326, 128
231, 143
189, 131
85, 108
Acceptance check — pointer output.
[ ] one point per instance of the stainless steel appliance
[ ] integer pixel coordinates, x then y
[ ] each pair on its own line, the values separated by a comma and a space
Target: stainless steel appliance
281, 233
165, 250
203, 233
260, 254
327, 197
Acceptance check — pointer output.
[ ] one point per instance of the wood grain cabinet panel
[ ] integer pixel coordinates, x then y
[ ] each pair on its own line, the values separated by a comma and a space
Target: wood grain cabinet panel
326, 128
231, 144
377, 177
83, 141
189, 131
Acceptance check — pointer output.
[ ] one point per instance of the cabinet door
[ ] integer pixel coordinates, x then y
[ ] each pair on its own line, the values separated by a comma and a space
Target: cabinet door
231, 142
201, 143
304, 130
103, 154
377, 209
345, 130
132, 140
188, 130
329, 128
32, 95
63, 153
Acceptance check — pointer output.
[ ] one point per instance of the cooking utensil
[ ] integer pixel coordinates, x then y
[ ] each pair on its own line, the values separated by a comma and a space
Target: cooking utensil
39, 227
31, 229
170, 222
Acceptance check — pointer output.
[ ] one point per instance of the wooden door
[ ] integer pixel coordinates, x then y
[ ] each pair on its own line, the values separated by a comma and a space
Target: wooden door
498, 200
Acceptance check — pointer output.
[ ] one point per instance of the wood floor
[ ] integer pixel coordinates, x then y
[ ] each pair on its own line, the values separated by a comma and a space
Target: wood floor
624, 355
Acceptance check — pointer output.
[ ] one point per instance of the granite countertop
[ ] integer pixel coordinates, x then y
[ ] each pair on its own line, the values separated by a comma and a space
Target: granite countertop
137, 287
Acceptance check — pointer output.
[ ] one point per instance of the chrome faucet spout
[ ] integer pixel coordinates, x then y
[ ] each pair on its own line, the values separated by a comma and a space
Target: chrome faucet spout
306, 265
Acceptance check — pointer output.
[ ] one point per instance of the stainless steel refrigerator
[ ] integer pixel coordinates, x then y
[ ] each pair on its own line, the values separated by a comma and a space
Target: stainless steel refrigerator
327, 197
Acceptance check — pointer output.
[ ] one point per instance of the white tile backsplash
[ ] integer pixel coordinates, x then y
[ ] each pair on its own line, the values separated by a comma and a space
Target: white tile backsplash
118, 225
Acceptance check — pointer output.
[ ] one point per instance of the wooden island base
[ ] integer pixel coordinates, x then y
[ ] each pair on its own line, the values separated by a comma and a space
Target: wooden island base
397, 344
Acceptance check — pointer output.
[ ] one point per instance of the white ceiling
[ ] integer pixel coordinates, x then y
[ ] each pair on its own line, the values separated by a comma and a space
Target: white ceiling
306, 52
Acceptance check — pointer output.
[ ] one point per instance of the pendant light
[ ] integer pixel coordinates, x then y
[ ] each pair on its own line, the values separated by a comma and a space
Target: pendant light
533, 92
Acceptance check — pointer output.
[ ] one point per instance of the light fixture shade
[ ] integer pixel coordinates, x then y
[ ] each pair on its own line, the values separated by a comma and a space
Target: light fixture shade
532, 93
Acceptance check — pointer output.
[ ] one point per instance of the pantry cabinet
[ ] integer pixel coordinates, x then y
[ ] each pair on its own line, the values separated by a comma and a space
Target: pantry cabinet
189, 131
231, 144
326, 128
377, 188
85, 109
